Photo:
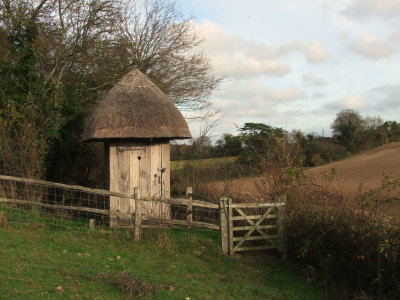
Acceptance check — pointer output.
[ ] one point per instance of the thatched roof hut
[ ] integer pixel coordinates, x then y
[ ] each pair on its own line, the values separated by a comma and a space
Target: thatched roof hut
135, 108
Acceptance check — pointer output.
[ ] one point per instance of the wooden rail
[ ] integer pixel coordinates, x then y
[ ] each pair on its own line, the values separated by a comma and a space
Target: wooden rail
240, 224
183, 201
256, 205
162, 222
64, 186
188, 221
65, 207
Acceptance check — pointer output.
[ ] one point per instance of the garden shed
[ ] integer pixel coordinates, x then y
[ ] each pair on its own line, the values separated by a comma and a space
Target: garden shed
136, 121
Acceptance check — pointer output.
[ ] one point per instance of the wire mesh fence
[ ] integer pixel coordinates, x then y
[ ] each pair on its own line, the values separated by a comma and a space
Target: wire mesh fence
54, 205
31, 201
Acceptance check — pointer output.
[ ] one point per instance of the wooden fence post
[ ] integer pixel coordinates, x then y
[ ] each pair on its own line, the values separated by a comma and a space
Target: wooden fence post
91, 224
223, 219
138, 216
230, 226
282, 245
189, 192
189, 212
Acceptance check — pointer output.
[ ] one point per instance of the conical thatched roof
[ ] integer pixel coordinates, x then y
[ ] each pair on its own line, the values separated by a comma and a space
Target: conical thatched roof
135, 108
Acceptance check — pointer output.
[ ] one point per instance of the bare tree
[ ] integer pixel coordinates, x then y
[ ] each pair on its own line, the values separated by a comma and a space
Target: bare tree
72, 50
91, 43
161, 42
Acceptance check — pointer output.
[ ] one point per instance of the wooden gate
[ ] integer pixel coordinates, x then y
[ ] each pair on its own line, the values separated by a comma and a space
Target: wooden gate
252, 226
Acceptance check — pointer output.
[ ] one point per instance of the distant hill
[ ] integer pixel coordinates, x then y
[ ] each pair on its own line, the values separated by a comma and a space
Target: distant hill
364, 170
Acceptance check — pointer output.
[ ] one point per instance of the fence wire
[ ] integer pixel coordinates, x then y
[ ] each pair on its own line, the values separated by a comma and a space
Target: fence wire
50, 204
54, 205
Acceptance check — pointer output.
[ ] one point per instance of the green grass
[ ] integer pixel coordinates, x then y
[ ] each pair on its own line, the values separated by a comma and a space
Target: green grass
178, 165
34, 261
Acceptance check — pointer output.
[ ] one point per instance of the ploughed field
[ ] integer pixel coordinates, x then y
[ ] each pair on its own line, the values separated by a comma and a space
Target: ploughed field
359, 173
363, 171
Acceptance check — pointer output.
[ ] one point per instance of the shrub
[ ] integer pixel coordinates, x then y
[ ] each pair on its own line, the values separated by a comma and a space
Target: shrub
347, 243
347, 249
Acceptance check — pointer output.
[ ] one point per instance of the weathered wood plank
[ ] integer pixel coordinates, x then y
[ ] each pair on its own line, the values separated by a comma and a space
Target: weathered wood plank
107, 165
114, 201
183, 223
281, 232
251, 222
138, 220
253, 248
189, 215
256, 205
145, 170
183, 201
230, 227
63, 186
91, 224
238, 228
155, 164
165, 163
252, 229
124, 178
256, 238
255, 217
155, 226
223, 217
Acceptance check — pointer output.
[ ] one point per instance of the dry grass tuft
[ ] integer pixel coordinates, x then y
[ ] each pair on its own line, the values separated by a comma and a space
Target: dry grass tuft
164, 240
3, 220
132, 287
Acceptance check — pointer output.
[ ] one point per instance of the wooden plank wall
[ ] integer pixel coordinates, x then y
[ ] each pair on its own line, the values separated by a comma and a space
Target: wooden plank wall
128, 172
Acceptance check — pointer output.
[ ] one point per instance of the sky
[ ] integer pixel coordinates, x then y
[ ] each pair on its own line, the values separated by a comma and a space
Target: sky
295, 64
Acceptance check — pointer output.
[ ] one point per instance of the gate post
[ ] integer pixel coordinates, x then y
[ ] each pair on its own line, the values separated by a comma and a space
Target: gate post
282, 247
230, 226
223, 219
189, 212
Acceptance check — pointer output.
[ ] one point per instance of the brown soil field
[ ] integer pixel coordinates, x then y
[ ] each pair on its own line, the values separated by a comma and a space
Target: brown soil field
361, 172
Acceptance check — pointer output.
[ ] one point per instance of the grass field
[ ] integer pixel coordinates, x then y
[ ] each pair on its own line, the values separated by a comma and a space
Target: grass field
203, 163
39, 263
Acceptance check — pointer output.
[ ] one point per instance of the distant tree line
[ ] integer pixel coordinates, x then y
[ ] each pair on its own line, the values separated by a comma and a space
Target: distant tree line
351, 133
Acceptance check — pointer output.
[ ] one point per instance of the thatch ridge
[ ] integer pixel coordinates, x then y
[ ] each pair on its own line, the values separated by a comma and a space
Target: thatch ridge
135, 108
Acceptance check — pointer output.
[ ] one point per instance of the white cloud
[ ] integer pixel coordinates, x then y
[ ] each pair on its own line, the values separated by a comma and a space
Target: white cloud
318, 95
248, 41
237, 57
314, 51
313, 80
239, 65
353, 102
374, 47
387, 96
246, 101
286, 94
379, 8
260, 94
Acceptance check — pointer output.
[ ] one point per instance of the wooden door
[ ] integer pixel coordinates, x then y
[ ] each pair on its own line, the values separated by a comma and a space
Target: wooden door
141, 169
129, 174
